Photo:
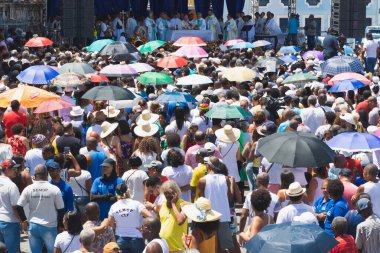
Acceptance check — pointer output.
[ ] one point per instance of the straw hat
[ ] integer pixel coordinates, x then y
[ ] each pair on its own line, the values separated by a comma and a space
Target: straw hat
295, 189
111, 247
146, 129
146, 117
107, 128
111, 111
201, 211
76, 111
228, 134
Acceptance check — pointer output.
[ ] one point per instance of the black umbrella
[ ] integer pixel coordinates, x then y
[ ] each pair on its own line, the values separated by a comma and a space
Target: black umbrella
263, 63
118, 48
109, 93
124, 57
295, 149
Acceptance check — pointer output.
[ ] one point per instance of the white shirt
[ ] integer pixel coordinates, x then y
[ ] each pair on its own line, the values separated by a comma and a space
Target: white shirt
66, 242
95, 128
287, 213
127, 215
172, 128
217, 192
135, 181
370, 48
33, 157
78, 184
313, 118
9, 195
373, 190
228, 153
5, 152
164, 245
44, 200
182, 175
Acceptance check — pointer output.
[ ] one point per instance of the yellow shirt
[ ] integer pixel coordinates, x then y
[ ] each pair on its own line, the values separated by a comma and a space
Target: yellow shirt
170, 230
198, 173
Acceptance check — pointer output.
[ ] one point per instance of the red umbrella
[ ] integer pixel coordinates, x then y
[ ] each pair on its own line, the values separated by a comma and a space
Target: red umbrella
171, 62
39, 42
189, 41
52, 105
98, 79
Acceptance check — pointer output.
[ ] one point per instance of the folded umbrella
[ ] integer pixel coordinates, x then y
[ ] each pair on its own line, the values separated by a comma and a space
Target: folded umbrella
230, 43
109, 93
346, 85
176, 97
341, 64
53, 105
349, 75
171, 62
118, 70
355, 142
155, 78
150, 46
37, 75
39, 42
69, 79
189, 41
194, 80
77, 67
239, 74
141, 67
191, 52
98, 45
227, 112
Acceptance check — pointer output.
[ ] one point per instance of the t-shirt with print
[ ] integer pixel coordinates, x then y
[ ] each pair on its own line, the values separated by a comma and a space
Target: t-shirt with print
66, 242
9, 195
135, 181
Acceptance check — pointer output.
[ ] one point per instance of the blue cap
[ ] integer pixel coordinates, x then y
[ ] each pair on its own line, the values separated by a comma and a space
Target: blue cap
52, 164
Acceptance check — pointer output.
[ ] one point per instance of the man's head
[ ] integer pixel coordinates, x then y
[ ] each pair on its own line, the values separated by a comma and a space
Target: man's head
370, 172
345, 174
322, 98
54, 169
86, 238
15, 105
92, 211
91, 143
340, 161
68, 128
364, 207
40, 173
155, 169
9, 168
262, 180
372, 102
48, 151
151, 228
312, 100
200, 137
339, 226
153, 184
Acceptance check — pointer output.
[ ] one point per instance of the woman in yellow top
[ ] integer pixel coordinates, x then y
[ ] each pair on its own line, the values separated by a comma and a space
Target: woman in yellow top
173, 220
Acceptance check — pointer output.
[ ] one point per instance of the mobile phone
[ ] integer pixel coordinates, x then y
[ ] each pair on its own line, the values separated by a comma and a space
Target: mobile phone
66, 150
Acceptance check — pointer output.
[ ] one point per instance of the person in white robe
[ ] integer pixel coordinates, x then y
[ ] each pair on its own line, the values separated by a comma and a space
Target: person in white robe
185, 23
272, 28
240, 23
251, 33
162, 27
212, 24
131, 26
175, 22
103, 28
118, 26
230, 30
151, 26
201, 22
260, 22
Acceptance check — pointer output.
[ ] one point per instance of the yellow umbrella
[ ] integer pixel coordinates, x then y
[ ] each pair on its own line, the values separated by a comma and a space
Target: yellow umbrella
28, 96
239, 74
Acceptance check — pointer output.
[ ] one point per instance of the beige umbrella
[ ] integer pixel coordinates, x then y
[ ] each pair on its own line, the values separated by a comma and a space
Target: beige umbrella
239, 74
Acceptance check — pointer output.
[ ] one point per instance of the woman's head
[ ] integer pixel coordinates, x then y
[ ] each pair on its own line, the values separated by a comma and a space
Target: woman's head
175, 158
335, 188
287, 177
122, 191
179, 115
72, 222
148, 145
124, 128
173, 140
82, 161
169, 189
135, 161
108, 169
260, 200
216, 165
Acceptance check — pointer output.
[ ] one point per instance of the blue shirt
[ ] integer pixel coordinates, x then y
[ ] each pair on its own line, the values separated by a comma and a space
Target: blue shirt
100, 187
67, 194
95, 168
322, 207
353, 219
339, 208
293, 24
283, 126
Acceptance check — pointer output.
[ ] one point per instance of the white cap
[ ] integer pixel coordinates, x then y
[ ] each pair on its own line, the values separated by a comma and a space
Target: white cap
348, 118
375, 79
210, 147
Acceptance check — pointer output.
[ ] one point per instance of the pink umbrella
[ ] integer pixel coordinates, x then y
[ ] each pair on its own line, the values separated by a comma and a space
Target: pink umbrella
233, 42
349, 75
52, 105
377, 133
119, 70
191, 52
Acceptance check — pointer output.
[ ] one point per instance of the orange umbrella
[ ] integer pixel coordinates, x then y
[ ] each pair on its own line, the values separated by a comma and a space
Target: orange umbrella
171, 62
28, 96
189, 41
52, 105
39, 42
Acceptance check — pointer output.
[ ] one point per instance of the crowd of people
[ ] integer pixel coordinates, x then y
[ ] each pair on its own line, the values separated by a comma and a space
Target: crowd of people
163, 177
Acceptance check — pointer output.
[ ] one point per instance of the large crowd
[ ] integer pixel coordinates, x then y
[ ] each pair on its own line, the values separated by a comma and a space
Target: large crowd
163, 177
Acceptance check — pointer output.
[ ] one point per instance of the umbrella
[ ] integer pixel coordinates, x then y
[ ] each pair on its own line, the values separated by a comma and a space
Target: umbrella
38, 75
261, 43
230, 43
295, 149
355, 142
348, 50
141, 67
118, 47
227, 112
289, 50
341, 64
108, 93
121, 104
239, 74
77, 67
191, 52
176, 97
52, 105
38, 42
346, 85
242, 45
263, 62
377, 133
171, 62
313, 54
289, 58
189, 41
300, 78
69, 79
124, 57
98, 45
98, 79
349, 75
28, 96
291, 237
150, 46
194, 80
118, 70
155, 78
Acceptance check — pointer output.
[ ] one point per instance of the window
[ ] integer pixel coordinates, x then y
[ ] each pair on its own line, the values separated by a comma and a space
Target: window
285, 2
313, 2
284, 25
263, 2
368, 21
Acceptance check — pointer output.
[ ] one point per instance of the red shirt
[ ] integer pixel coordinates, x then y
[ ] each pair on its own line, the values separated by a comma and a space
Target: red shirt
12, 118
352, 164
346, 245
363, 106
152, 198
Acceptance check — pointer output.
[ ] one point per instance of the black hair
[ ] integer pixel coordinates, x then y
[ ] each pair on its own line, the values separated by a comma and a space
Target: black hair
15, 105
207, 227
335, 188
124, 127
17, 129
153, 181
82, 161
260, 199
175, 158
74, 223
173, 140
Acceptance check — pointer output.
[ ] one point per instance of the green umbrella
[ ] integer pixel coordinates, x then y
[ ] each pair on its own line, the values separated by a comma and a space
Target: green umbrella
300, 78
154, 78
151, 45
227, 112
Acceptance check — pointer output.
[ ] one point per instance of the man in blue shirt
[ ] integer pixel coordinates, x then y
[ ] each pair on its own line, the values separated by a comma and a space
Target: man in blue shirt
293, 25
97, 158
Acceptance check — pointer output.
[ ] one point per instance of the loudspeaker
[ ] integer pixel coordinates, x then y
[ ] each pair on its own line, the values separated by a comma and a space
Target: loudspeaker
78, 18
348, 17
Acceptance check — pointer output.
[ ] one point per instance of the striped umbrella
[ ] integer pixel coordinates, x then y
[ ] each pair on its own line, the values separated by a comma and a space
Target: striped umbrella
341, 64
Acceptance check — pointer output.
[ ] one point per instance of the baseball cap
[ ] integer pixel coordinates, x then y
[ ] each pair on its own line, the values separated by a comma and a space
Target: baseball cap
52, 164
9, 164
201, 152
210, 147
363, 204
156, 164
348, 118
267, 128
108, 163
38, 138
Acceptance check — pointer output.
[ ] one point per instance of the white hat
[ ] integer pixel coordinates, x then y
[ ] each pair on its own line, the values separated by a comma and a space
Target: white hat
339, 100
111, 111
228, 134
201, 211
347, 117
375, 79
108, 128
199, 98
77, 111
306, 217
146, 129
372, 129
210, 147
146, 117
295, 189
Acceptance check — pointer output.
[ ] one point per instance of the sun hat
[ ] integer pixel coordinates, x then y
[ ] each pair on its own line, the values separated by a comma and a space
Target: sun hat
228, 134
375, 79
363, 204
267, 128
201, 211
146, 117
146, 129
108, 128
210, 147
77, 111
111, 247
111, 111
347, 117
295, 189
38, 138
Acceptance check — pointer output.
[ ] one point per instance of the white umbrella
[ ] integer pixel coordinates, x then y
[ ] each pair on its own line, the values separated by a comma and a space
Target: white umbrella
141, 67
194, 80
261, 43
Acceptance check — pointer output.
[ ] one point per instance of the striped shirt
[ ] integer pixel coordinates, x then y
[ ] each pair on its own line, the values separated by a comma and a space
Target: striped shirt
368, 235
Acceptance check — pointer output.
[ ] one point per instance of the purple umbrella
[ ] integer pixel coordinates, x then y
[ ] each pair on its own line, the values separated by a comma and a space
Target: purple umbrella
314, 54
118, 70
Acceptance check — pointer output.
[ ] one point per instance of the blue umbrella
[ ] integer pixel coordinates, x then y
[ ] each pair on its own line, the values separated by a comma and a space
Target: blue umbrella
242, 45
348, 50
341, 64
289, 50
98, 45
355, 142
289, 58
346, 85
291, 237
176, 97
38, 75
